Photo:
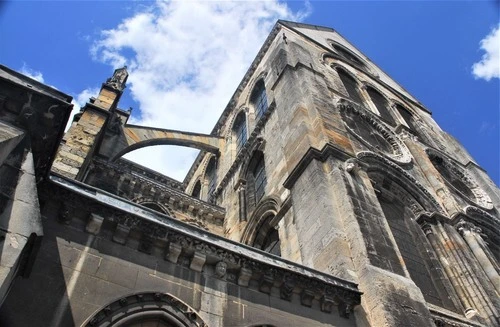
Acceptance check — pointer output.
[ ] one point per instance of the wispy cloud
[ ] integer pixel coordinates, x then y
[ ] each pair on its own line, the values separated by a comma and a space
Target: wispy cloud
36, 75
489, 65
185, 60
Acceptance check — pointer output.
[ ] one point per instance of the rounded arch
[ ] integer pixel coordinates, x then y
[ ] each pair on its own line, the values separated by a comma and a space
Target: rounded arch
459, 180
239, 130
154, 205
367, 127
166, 141
132, 310
196, 191
251, 85
264, 212
232, 117
347, 54
376, 163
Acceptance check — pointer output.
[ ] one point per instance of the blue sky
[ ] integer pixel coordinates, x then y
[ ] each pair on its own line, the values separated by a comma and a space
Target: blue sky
187, 58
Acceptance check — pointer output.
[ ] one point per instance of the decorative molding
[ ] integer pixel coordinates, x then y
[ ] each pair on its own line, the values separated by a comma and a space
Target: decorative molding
195, 249
151, 305
400, 154
481, 198
373, 161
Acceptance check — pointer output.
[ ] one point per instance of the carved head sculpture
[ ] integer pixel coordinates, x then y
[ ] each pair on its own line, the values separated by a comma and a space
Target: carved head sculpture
220, 269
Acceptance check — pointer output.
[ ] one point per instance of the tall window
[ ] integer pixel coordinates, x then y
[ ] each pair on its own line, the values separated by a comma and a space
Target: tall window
211, 176
259, 174
255, 180
407, 116
259, 99
267, 236
240, 130
272, 242
410, 241
382, 105
350, 85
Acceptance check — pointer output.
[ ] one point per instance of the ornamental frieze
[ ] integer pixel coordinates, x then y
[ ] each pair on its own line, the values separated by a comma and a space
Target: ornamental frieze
373, 133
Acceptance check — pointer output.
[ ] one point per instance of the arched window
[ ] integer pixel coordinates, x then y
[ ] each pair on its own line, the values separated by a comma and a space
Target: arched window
259, 99
412, 243
196, 190
407, 116
240, 130
272, 242
146, 309
382, 105
256, 180
267, 237
350, 85
210, 175
259, 174
348, 55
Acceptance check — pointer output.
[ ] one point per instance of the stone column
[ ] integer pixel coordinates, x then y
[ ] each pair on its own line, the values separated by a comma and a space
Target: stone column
471, 234
447, 266
242, 199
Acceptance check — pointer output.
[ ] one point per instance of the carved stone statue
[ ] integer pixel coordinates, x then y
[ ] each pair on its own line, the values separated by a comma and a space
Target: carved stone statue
220, 269
118, 79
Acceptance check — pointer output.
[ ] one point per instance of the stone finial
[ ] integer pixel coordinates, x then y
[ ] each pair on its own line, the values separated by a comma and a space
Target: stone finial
119, 78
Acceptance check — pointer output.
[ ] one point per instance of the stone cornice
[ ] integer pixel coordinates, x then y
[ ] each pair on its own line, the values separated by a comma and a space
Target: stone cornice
194, 248
197, 207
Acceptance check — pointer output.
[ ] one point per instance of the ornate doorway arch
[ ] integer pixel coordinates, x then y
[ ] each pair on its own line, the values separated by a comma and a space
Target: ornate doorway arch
146, 309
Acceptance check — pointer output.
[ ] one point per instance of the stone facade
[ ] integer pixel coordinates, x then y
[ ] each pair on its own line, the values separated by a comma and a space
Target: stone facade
326, 195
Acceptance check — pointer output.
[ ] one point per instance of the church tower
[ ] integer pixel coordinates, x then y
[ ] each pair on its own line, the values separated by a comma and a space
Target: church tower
325, 195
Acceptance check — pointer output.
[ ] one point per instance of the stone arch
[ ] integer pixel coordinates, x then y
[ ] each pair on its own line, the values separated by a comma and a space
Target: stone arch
153, 204
489, 225
371, 162
347, 55
239, 130
400, 152
268, 207
459, 180
134, 137
400, 210
137, 308
230, 122
251, 85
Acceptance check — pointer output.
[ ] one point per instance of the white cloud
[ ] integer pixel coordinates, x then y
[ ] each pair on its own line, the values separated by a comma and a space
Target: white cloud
36, 75
79, 101
489, 66
185, 60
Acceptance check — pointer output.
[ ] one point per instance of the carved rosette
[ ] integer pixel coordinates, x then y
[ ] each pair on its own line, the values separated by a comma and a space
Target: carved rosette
373, 133
459, 180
